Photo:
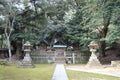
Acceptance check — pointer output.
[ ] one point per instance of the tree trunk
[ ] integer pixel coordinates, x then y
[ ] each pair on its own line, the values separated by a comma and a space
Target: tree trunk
0, 43
9, 49
102, 46
103, 33
18, 50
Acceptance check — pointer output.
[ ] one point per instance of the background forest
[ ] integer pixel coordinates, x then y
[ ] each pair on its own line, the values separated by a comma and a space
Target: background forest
74, 21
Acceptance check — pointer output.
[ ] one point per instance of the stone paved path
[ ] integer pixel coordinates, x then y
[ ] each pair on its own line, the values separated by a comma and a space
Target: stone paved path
60, 73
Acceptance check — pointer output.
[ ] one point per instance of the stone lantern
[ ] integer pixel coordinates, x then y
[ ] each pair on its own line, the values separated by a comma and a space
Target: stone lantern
27, 61
93, 60
71, 58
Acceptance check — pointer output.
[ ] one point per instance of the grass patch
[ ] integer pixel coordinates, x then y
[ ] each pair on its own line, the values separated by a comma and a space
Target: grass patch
77, 75
40, 72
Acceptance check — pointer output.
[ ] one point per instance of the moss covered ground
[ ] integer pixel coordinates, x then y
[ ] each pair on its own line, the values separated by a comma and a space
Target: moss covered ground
40, 72
77, 75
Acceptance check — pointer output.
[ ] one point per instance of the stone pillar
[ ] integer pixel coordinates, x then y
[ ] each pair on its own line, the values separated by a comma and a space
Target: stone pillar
27, 61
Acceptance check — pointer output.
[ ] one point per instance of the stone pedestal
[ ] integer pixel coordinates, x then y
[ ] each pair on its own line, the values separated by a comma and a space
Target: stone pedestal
115, 63
93, 61
27, 62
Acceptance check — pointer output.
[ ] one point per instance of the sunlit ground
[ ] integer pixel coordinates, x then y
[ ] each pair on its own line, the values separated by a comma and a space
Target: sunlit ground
78, 75
40, 72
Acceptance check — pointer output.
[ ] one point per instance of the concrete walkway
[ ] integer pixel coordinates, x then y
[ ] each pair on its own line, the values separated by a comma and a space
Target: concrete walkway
60, 73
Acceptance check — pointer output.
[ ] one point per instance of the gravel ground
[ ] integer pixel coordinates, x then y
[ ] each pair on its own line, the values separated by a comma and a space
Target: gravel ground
106, 70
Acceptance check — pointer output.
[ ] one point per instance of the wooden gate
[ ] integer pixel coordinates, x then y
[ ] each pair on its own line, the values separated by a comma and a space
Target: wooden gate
59, 56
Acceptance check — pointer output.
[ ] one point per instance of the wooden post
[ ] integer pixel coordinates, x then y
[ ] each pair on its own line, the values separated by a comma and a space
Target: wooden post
73, 57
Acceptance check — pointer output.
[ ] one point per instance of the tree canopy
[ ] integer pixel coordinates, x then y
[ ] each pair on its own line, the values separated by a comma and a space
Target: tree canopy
71, 20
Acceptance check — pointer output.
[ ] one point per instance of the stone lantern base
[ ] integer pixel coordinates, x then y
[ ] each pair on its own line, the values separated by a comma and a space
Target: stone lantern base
93, 61
27, 62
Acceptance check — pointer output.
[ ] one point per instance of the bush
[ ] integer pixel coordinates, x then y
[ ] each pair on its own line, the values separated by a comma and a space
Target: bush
3, 62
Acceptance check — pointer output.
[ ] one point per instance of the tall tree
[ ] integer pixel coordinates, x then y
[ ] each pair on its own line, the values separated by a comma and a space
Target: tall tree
9, 18
98, 15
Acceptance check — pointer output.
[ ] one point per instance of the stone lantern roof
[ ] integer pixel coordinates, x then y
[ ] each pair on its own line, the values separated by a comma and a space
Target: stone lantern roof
27, 44
93, 44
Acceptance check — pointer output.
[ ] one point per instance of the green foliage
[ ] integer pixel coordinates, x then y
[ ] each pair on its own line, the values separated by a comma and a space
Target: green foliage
3, 62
